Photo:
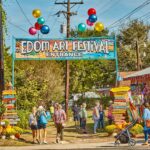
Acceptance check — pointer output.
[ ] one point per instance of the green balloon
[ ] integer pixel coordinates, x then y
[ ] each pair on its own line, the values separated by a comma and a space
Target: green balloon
41, 20
81, 27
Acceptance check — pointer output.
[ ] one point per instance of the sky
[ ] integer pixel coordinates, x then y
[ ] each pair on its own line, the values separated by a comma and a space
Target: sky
108, 11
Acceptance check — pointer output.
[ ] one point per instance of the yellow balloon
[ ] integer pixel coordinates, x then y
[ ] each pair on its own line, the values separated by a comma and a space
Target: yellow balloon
36, 13
99, 26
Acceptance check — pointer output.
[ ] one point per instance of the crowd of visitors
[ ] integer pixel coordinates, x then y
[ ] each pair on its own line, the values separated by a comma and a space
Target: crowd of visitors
39, 118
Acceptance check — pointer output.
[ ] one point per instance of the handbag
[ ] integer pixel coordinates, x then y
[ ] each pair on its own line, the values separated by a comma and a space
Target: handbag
148, 123
43, 119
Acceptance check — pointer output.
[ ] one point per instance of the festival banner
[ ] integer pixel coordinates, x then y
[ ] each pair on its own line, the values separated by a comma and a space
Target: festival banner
65, 49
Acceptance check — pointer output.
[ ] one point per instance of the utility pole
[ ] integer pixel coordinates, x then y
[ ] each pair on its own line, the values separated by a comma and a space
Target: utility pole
1, 54
138, 55
68, 15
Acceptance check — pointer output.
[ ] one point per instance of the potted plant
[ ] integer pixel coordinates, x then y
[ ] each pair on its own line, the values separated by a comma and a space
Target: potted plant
19, 131
10, 133
3, 134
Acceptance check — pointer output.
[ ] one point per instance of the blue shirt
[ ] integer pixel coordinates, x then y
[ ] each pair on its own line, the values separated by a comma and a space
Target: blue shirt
146, 116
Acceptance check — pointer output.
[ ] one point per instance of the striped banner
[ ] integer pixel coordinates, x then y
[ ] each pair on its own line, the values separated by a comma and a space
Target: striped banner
9, 99
9, 92
8, 96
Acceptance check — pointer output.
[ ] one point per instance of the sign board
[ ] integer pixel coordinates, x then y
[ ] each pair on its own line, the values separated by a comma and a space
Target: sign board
65, 49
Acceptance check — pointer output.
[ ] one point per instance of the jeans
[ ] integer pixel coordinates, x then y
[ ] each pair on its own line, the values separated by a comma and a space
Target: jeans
95, 125
146, 134
101, 123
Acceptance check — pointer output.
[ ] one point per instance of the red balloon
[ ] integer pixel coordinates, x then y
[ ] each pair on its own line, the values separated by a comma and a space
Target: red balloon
32, 31
89, 23
38, 26
91, 11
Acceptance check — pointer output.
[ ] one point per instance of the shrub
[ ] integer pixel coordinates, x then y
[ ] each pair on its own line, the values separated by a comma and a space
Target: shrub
110, 129
2, 109
136, 129
24, 119
18, 130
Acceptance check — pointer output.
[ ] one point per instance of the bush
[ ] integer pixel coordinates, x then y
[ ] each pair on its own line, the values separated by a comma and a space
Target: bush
136, 129
110, 129
24, 119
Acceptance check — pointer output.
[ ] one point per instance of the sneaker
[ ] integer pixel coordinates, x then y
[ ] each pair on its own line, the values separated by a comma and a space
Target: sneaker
45, 142
57, 140
146, 143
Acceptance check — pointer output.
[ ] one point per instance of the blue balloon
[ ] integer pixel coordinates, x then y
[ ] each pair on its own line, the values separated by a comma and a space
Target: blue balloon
81, 27
92, 18
45, 29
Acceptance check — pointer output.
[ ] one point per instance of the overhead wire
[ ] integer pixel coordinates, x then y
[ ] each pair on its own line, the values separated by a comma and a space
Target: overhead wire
17, 26
131, 13
110, 7
21, 9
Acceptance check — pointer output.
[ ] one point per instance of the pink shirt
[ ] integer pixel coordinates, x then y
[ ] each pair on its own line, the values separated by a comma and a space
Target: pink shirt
59, 116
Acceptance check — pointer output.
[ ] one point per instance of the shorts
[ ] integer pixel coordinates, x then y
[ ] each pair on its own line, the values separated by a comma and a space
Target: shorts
76, 118
41, 126
59, 127
34, 127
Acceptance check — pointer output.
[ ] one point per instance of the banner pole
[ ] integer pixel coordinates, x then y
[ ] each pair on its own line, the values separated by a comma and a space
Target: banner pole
116, 61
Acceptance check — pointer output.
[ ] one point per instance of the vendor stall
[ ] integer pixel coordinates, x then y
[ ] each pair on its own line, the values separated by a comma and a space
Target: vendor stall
140, 86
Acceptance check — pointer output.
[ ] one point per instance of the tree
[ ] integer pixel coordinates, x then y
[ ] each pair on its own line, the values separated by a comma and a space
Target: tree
132, 41
89, 75
37, 81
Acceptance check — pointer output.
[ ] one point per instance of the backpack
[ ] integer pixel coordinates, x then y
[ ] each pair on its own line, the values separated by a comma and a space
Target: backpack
42, 119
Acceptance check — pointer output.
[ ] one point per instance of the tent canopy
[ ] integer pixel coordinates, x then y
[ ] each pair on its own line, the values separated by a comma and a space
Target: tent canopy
139, 73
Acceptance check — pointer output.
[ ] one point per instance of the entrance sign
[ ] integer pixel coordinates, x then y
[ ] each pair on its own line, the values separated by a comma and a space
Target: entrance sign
65, 49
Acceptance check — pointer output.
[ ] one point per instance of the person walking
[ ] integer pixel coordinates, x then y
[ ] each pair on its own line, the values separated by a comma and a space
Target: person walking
42, 123
146, 118
33, 124
96, 116
84, 118
101, 117
75, 110
51, 109
59, 118
80, 116
110, 115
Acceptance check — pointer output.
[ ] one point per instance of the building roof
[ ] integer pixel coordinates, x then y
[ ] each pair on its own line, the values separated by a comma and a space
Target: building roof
139, 73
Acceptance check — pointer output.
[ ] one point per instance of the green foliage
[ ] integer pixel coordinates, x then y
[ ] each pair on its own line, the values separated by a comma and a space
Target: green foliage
2, 109
38, 81
135, 31
136, 129
24, 119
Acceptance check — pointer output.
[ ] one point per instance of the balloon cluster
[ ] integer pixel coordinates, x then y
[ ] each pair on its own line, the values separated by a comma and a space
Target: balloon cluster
39, 25
91, 21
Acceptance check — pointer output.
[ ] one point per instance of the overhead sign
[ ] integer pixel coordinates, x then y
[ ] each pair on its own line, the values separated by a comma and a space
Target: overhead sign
65, 49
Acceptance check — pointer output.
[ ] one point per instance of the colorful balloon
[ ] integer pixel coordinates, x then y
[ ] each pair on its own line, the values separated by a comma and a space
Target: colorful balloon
81, 27
45, 29
36, 13
99, 26
37, 26
41, 20
92, 18
89, 23
32, 31
91, 11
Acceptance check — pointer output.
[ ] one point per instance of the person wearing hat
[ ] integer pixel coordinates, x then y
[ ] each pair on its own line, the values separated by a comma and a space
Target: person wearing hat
41, 123
146, 118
